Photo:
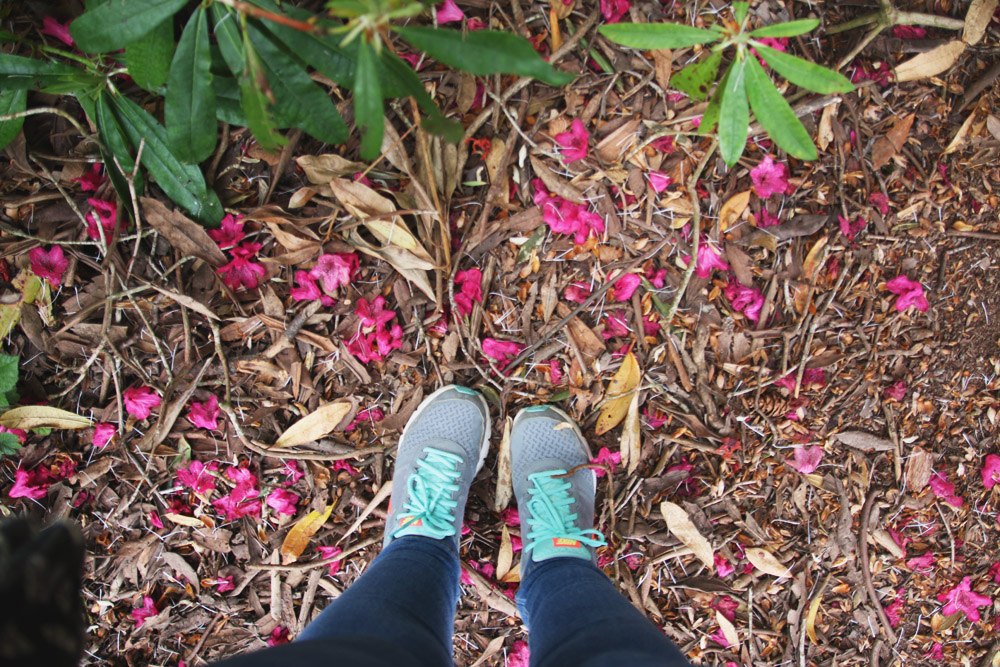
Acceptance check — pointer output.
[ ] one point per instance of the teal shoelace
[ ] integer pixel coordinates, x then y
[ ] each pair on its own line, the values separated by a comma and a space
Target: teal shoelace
551, 518
431, 488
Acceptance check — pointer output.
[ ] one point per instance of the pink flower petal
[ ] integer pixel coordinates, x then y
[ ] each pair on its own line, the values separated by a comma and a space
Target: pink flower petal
103, 433
104, 212
469, 284
278, 636
205, 415
962, 598
911, 293
722, 566
282, 501
58, 30
49, 264
625, 286
896, 391
518, 656
91, 180
331, 552
851, 229
921, 563
448, 12
807, 459
139, 401
709, 259
659, 181
879, 201
334, 270
28, 485
241, 272
197, 476
991, 471
769, 177
945, 490
577, 292
614, 10
606, 457
230, 233
501, 350
147, 610
574, 142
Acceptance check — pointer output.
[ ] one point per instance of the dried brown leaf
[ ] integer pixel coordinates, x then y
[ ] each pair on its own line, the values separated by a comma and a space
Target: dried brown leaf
734, 207
318, 423
765, 561
930, 63
631, 442
681, 527
181, 232
866, 442
504, 490
321, 169
977, 19
919, 468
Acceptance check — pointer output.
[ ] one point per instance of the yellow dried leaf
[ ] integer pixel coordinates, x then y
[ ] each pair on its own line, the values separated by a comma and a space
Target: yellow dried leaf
811, 616
977, 19
42, 416
315, 425
811, 262
733, 209
631, 442
681, 527
964, 227
183, 520
504, 490
299, 535
619, 394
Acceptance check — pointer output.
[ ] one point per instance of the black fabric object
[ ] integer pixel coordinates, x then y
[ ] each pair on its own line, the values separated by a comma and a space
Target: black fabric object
41, 609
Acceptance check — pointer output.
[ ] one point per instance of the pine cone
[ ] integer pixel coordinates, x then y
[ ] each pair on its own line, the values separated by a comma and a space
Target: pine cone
41, 618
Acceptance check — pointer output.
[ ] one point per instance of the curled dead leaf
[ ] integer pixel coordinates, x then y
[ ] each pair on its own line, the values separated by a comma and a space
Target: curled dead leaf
504, 490
631, 442
619, 394
680, 526
321, 169
181, 232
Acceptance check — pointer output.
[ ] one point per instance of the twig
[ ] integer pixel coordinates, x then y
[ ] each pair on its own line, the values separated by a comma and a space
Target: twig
866, 572
696, 235
52, 110
318, 563
258, 13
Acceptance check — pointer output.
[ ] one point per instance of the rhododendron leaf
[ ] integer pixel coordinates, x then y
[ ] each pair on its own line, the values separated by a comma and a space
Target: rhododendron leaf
734, 115
696, 79
11, 102
112, 25
804, 73
9, 444
680, 526
148, 59
657, 35
774, 114
788, 29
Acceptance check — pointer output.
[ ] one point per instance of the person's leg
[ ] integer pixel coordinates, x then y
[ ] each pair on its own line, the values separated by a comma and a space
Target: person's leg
401, 611
407, 596
574, 614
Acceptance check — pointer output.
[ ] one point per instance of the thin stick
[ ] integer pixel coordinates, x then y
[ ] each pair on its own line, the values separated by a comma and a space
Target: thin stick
363, 544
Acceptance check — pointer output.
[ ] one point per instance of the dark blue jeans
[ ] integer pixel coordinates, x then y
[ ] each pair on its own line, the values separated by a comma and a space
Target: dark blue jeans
402, 612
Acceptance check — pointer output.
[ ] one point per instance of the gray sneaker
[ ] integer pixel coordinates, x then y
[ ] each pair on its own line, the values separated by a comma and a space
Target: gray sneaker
441, 450
556, 509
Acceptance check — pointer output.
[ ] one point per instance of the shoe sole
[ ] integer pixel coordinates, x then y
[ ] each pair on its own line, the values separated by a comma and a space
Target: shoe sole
566, 420
487, 431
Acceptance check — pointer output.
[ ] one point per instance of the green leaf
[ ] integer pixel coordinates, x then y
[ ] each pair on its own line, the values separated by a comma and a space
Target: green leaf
189, 110
368, 113
657, 35
710, 119
11, 102
148, 59
774, 114
8, 372
227, 34
803, 73
298, 100
9, 444
7, 37
114, 139
740, 10
696, 79
184, 184
789, 29
227, 102
253, 96
19, 73
484, 52
734, 114
111, 26
393, 68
